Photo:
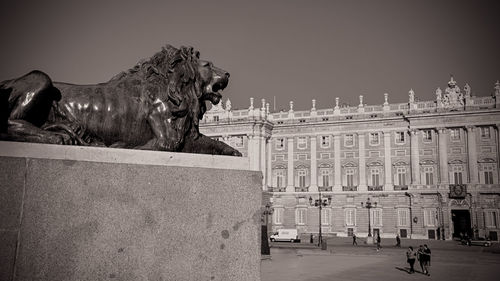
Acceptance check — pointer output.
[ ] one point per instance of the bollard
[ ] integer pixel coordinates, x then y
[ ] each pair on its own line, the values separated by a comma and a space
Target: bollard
323, 245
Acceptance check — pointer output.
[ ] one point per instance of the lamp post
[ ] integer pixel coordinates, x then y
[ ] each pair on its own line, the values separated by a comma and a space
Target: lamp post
411, 217
268, 210
368, 205
320, 203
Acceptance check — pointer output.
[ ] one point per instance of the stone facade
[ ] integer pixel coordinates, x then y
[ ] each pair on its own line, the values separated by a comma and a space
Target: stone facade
431, 167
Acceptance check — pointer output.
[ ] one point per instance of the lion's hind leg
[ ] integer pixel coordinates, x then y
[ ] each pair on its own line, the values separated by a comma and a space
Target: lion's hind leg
76, 134
20, 130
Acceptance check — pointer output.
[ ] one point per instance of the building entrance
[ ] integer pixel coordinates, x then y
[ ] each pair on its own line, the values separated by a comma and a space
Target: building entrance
461, 223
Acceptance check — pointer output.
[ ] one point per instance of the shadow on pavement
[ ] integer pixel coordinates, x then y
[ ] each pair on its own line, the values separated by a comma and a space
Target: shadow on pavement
405, 269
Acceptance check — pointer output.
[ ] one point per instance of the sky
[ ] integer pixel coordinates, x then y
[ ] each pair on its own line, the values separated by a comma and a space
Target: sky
277, 50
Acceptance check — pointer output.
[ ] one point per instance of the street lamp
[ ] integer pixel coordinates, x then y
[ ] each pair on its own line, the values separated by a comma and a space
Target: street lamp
411, 217
268, 210
368, 205
320, 203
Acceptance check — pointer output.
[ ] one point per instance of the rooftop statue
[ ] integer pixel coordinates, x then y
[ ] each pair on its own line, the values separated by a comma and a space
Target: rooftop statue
411, 96
453, 97
155, 105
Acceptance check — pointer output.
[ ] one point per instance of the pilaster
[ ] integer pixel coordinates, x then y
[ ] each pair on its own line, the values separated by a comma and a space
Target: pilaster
443, 156
362, 163
387, 161
289, 183
498, 149
269, 163
314, 166
262, 146
337, 171
472, 154
253, 152
415, 157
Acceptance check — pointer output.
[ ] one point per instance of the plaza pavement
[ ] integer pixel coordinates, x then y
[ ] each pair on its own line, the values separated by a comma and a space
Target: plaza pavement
342, 261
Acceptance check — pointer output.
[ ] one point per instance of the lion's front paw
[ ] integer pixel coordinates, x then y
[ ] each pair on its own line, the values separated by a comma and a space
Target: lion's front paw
55, 138
232, 152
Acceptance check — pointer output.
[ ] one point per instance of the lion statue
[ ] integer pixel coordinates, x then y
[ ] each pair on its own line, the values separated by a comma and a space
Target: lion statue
155, 105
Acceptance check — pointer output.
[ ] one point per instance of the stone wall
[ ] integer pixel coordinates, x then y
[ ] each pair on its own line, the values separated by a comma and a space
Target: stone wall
130, 215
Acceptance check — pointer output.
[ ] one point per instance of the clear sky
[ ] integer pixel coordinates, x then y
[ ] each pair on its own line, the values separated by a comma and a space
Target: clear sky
293, 50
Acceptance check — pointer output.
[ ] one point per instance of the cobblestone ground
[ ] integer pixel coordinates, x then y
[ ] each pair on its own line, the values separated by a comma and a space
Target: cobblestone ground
342, 261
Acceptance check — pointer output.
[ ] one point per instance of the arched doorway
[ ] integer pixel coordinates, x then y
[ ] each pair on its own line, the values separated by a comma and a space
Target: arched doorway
461, 223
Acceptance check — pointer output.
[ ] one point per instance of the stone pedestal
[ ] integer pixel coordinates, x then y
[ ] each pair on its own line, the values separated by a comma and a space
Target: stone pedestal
82, 213
369, 240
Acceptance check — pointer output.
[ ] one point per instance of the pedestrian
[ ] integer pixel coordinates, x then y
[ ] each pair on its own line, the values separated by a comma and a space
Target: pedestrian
422, 259
410, 258
427, 253
354, 239
398, 241
378, 241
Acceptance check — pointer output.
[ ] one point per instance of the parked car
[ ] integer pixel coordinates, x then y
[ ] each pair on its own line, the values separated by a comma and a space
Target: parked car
476, 242
285, 235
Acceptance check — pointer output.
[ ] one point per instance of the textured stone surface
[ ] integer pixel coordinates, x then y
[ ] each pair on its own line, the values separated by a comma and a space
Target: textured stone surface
8, 240
12, 172
11, 191
107, 221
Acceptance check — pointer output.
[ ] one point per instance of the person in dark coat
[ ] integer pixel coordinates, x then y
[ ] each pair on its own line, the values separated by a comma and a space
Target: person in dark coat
427, 253
398, 241
422, 259
354, 239
378, 241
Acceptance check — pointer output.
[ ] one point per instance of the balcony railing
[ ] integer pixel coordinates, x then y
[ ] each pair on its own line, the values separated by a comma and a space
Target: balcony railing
400, 187
277, 189
301, 189
325, 188
349, 188
375, 188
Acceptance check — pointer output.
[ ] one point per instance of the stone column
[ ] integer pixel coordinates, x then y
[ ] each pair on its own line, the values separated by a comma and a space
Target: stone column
415, 157
337, 170
262, 142
443, 156
498, 150
387, 161
253, 152
314, 166
290, 186
472, 154
269, 163
362, 163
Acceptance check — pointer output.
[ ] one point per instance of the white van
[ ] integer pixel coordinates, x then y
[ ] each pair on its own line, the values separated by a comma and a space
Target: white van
288, 235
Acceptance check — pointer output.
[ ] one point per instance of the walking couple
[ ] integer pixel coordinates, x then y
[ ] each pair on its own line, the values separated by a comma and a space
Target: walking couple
423, 254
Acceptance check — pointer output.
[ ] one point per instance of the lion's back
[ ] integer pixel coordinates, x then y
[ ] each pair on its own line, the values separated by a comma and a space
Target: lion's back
114, 114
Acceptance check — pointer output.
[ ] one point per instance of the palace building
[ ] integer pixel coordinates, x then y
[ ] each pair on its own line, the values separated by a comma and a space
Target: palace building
427, 169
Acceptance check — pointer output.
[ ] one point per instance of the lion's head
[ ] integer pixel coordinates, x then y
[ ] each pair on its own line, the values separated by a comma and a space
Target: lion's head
172, 72
177, 83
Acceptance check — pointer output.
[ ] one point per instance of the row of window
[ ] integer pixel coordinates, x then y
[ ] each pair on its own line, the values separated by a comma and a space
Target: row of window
403, 217
375, 176
374, 138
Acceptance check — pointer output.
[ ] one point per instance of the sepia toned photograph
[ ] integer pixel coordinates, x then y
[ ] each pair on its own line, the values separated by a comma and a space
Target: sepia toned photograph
279, 140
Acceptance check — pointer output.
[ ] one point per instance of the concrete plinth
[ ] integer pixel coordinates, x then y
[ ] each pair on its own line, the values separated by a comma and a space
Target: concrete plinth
369, 240
82, 213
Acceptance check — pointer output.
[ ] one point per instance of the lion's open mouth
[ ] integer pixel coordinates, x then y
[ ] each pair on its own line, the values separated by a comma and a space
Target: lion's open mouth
213, 90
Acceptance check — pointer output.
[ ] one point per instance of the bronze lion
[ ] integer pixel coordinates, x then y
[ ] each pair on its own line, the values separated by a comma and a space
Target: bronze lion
155, 105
